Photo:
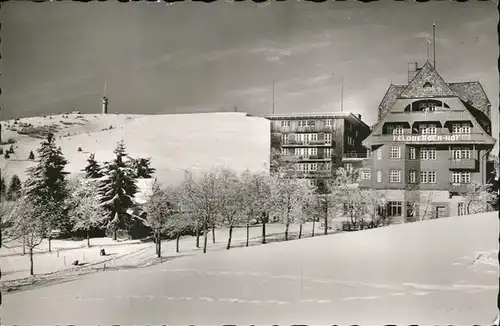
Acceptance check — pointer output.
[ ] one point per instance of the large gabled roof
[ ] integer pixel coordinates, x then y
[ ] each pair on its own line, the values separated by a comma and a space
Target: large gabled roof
473, 93
427, 74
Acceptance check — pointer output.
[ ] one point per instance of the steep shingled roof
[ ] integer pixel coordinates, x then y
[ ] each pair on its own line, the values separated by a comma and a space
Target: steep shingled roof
390, 97
427, 74
473, 93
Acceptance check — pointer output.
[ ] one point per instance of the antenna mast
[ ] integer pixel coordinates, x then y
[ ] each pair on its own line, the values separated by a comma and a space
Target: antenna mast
434, 43
273, 95
342, 94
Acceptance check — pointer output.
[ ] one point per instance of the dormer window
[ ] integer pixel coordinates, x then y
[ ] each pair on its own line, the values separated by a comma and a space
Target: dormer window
427, 84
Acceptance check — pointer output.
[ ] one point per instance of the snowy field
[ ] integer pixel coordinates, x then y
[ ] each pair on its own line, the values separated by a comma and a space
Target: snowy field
175, 142
433, 272
126, 253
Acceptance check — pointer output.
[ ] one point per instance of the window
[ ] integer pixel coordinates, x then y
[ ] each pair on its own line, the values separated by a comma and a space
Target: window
427, 176
328, 152
328, 122
313, 151
395, 152
427, 85
412, 153
390, 129
313, 182
348, 166
302, 123
431, 176
461, 153
461, 128
461, 209
357, 133
411, 209
460, 177
398, 130
378, 153
314, 167
310, 123
379, 176
395, 176
428, 154
412, 176
328, 138
285, 123
394, 208
313, 137
327, 166
284, 151
366, 174
284, 139
428, 129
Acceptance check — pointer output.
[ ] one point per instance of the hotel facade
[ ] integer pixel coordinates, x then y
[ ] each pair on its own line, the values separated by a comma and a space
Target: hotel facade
432, 138
318, 143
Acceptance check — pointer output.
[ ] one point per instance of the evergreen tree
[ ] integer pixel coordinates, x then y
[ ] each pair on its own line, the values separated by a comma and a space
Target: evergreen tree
3, 188
117, 189
14, 191
46, 186
142, 168
31, 156
92, 170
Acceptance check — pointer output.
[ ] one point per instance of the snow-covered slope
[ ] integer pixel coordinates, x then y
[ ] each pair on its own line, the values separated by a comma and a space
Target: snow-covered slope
175, 142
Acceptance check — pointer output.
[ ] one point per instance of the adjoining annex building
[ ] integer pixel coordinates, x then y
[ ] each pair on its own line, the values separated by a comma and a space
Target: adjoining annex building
432, 138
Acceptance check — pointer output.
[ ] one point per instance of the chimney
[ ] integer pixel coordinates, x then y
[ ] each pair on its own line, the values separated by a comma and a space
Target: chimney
359, 116
413, 69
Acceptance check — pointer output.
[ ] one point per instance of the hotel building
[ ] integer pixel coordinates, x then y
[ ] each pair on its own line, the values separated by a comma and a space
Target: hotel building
319, 142
432, 139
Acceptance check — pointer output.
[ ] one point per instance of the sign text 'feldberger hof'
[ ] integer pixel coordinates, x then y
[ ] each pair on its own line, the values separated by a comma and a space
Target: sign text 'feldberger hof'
436, 138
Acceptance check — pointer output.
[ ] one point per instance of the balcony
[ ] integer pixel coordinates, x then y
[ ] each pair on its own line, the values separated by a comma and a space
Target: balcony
313, 158
355, 156
441, 138
459, 187
307, 143
463, 164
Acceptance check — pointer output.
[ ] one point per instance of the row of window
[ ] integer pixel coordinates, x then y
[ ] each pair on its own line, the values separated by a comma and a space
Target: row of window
458, 177
426, 153
309, 151
306, 138
395, 209
305, 123
431, 129
307, 167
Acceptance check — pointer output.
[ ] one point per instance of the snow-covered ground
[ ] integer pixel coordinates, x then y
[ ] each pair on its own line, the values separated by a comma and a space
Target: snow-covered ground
175, 142
432, 272
125, 253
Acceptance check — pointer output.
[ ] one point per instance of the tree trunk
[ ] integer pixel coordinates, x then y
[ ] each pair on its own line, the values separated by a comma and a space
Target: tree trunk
159, 244
326, 219
263, 231
50, 243
205, 236
248, 233
230, 237
314, 225
31, 262
115, 234
24, 245
286, 231
300, 231
213, 233
88, 238
177, 242
197, 237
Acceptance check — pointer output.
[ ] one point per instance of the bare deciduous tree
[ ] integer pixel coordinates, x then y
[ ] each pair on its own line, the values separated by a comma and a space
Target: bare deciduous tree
85, 210
478, 197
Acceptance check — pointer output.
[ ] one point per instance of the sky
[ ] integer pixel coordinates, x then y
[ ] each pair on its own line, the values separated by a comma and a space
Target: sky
195, 57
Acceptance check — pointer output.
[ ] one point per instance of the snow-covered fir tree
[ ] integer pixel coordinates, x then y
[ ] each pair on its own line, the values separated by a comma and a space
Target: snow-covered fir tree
46, 185
117, 189
92, 170
14, 190
142, 167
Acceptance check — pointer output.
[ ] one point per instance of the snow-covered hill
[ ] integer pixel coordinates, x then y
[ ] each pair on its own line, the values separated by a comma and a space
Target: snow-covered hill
175, 142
